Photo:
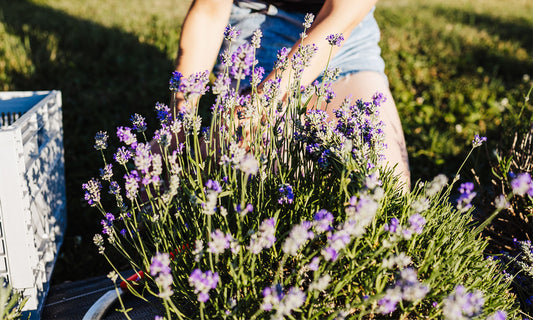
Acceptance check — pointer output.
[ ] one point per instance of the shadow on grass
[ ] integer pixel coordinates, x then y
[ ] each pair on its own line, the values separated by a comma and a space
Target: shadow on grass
105, 75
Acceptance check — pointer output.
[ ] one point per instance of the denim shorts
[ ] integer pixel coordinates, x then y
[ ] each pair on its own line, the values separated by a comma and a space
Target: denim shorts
360, 51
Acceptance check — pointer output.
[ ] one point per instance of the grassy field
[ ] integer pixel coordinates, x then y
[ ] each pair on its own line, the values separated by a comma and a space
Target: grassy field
455, 67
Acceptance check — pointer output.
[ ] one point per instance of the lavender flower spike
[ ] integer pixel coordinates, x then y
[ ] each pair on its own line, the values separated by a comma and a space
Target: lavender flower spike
100, 140
522, 184
203, 282
478, 141
335, 39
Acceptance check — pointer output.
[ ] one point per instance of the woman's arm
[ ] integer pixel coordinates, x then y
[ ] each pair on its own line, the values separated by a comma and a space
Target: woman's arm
201, 36
336, 16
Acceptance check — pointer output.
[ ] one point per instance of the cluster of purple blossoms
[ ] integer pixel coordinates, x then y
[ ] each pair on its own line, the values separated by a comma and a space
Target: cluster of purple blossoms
522, 184
122, 156
362, 208
466, 196
138, 122
478, 141
324, 90
302, 59
219, 242
231, 33
202, 282
275, 299
282, 62
92, 191
257, 76
107, 223
256, 38
337, 241
100, 140
175, 81
407, 288
242, 60
498, 315
416, 225
195, 85
323, 221
315, 134
308, 20
160, 269
125, 135
298, 236
164, 115
462, 304
106, 173
265, 237
360, 124
212, 189
132, 184
286, 194
335, 39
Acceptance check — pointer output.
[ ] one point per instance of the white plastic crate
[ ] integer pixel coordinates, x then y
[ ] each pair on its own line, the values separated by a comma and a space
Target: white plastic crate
32, 191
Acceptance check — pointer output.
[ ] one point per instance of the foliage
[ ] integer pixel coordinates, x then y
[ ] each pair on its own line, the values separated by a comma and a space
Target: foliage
11, 303
273, 211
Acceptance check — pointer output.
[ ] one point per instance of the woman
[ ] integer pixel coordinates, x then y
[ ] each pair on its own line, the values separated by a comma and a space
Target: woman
358, 57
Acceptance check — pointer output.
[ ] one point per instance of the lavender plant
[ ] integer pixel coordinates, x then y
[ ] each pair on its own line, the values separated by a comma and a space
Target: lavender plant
275, 211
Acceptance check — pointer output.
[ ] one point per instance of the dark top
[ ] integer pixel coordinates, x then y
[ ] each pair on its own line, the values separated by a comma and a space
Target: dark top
312, 6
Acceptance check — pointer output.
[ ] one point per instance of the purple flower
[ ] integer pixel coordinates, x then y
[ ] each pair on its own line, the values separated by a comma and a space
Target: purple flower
388, 303
286, 194
163, 112
498, 315
335, 39
230, 33
213, 185
100, 140
314, 264
195, 85
478, 141
308, 20
114, 188
175, 81
393, 226
465, 198
138, 122
257, 76
323, 220
461, 304
522, 184
122, 156
106, 173
160, 269
417, 223
125, 135
275, 299
297, 238
282, 62
378, 98
265, 237
203, 282
256, 38
241, 61
132, 184
92, 191
219, 242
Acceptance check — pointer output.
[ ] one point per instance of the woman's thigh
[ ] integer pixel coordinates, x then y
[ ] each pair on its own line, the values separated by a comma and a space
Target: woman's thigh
363, 85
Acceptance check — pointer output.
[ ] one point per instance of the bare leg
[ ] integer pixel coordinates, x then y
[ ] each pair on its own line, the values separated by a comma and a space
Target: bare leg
363, 85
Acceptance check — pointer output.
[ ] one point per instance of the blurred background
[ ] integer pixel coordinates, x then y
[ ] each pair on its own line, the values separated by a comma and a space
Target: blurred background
456, 68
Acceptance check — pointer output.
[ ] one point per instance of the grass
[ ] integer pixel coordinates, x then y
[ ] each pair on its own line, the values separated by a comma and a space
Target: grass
450, 66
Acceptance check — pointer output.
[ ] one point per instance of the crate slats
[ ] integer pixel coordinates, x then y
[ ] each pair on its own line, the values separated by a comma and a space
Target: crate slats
32, 191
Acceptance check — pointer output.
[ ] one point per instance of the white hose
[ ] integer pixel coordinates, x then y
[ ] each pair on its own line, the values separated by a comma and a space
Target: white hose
100, 307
